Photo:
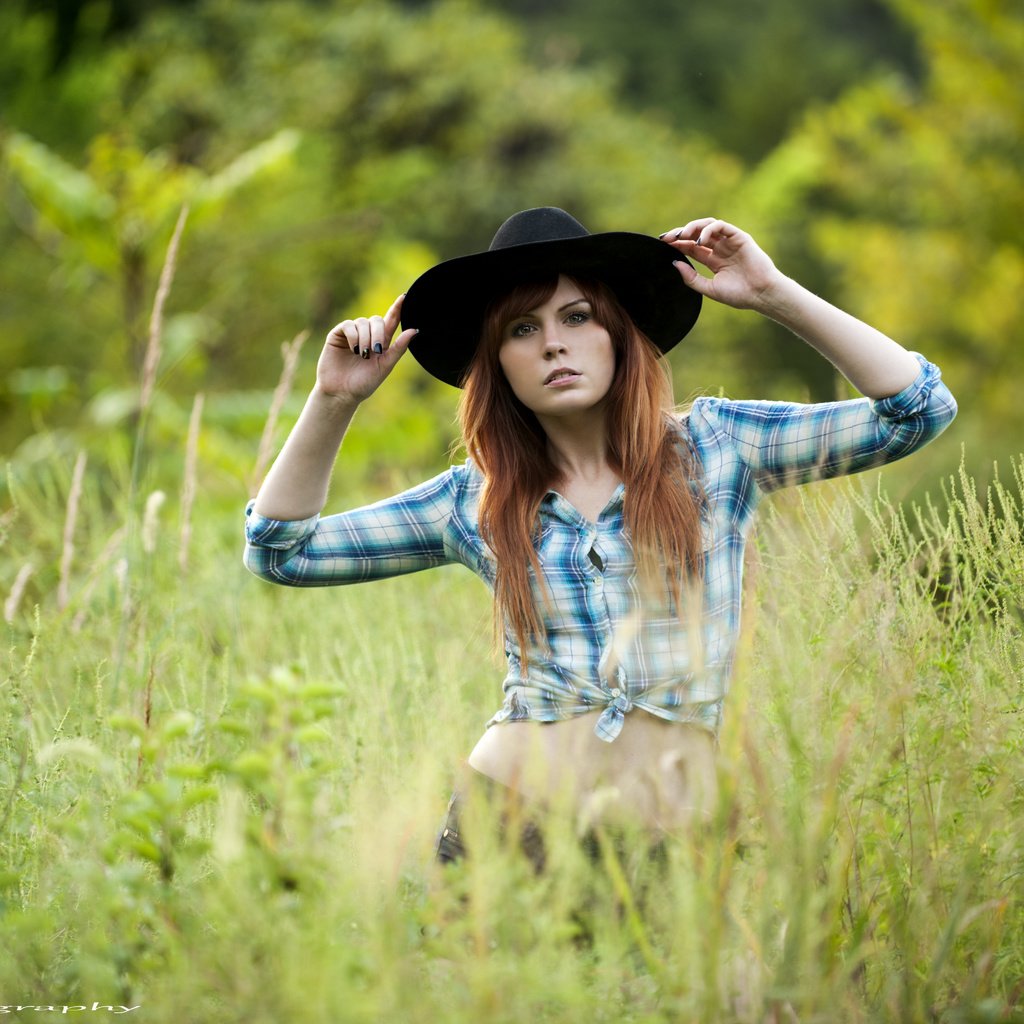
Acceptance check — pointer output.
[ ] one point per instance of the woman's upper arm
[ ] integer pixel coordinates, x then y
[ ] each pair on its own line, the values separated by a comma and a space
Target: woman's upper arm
789, 443
401, 534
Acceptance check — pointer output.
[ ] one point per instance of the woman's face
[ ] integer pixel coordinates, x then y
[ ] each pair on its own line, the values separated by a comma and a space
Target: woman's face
558, 360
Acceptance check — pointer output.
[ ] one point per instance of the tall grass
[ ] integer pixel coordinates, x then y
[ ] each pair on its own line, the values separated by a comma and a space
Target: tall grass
244, 830
218, 798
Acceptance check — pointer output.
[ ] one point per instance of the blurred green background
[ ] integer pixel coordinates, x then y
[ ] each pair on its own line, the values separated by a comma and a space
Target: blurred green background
330, 150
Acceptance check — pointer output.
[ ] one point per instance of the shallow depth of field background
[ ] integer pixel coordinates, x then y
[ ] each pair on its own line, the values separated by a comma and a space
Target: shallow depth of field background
218, 798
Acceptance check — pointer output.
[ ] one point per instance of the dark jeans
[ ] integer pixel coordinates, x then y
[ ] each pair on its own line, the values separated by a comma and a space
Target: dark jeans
452, 846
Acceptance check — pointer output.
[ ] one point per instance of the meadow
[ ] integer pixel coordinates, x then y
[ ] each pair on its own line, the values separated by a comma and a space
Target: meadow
220, 797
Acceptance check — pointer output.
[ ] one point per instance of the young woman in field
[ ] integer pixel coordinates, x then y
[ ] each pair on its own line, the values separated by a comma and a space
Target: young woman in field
610, 528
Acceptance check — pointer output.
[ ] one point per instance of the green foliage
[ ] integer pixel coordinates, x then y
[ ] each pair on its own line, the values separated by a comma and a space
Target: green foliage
184, 825
209, 831
69, 199
920, 200
279, 770
937, 720
111, 221
391, 157
739, 73
332, 152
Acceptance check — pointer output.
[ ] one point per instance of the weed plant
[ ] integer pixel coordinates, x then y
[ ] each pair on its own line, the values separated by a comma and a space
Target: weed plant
219, 798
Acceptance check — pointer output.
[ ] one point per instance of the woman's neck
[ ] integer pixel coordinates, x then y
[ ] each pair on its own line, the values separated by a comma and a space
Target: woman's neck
578, 446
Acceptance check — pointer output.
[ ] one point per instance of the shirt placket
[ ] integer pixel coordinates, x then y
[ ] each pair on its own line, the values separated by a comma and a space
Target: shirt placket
596, 604
615, 683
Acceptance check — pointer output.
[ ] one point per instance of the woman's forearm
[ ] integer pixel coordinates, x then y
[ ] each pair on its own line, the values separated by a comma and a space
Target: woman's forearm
873, 363
296, 486
743, 276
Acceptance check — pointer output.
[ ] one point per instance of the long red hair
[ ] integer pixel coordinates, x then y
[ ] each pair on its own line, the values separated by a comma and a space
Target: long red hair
663, 498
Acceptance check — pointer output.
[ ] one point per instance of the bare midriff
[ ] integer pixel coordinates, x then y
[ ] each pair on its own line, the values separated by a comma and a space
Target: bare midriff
657, 774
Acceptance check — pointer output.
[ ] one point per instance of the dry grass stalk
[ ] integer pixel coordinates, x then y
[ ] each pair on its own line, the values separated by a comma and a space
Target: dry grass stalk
150, 521
156, 320
70, 518
6, 522
14, 598
188, 488
121, 579
290, 356
90, 584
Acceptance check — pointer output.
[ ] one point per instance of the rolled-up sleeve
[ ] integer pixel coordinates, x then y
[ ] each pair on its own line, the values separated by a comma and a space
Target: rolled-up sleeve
401, 534
784, 443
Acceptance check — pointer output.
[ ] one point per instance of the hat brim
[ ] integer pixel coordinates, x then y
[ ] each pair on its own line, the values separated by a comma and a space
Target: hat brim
448, 302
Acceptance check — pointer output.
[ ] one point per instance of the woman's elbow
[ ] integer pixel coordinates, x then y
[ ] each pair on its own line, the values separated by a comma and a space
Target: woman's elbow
942, 409
269, 565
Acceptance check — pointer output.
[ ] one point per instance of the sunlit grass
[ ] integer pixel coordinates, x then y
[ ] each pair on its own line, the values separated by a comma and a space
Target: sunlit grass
238, 823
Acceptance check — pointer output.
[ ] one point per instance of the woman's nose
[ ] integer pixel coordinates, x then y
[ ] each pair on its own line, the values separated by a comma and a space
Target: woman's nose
552, 339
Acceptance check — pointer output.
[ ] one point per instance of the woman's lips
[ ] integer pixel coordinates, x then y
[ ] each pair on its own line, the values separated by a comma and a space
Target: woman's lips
560, 378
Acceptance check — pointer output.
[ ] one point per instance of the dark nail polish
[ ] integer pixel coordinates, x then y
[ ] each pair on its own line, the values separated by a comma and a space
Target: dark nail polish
378, 348
365, 353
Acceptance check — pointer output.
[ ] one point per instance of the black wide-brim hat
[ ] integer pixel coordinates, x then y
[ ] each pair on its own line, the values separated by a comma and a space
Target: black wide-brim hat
448, 302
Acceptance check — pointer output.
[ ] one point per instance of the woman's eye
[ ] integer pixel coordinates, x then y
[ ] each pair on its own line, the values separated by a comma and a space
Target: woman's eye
577, 316
520, 330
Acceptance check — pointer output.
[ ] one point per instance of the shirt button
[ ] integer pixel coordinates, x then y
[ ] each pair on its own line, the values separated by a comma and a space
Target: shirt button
616, 692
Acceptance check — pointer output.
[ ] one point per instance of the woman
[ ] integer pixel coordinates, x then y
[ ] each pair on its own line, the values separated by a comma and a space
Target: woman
610, 529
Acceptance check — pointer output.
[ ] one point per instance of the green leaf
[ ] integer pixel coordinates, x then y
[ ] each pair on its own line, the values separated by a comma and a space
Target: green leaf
251, 765
66, 197
198, 795
262, 161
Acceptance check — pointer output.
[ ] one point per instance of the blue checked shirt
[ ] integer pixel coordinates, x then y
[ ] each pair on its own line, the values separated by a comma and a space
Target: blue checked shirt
610, 649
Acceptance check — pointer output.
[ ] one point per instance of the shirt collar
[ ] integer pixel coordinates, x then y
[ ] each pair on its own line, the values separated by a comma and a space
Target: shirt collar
562, 509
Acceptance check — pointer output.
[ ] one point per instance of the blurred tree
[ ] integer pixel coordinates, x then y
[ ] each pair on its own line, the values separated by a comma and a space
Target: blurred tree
56, 106
419, 129
110, 222
921, 200
77, 23
740, 72
392, 152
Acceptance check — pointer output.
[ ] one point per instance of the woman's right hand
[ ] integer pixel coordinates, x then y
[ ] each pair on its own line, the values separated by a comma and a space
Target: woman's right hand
360, 353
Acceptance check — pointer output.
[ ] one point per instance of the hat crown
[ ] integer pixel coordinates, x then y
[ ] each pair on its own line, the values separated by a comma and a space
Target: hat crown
542, 224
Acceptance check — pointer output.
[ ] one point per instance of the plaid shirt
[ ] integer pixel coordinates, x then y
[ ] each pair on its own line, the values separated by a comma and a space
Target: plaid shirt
609, 651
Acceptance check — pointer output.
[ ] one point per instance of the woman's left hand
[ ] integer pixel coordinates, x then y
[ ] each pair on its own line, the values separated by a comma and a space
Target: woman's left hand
743, 274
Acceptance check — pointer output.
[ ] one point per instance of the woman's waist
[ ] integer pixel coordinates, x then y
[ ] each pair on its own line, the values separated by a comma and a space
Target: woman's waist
656, 772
